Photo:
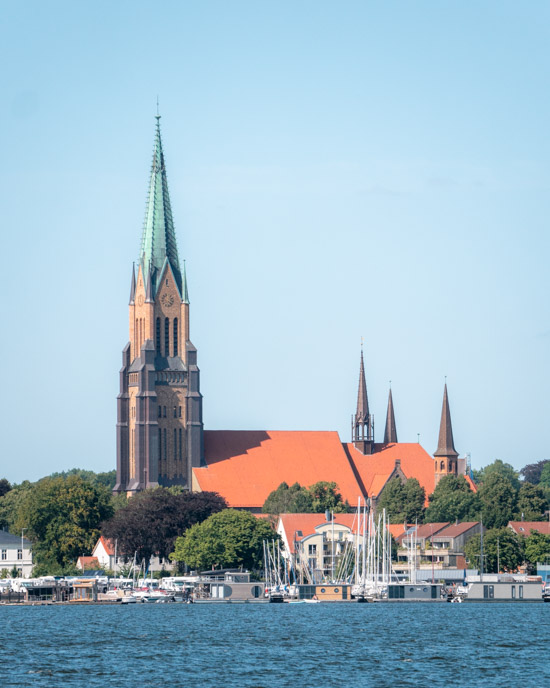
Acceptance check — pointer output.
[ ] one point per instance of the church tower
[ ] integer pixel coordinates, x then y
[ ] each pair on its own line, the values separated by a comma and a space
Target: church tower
159, 409
362, 424
446, 456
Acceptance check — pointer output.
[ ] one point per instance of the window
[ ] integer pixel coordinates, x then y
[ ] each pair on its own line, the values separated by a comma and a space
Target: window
4, 555
166, 337
175, 443
520, 592
175, 336
164, 411
158, 336
312, 549
181, 449
175, 412
165, 449
160, 444
488, 592
160, 411
20, 554
513, 588
179, 412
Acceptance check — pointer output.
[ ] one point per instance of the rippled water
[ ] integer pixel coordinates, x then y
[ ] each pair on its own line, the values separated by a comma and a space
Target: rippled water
275, 646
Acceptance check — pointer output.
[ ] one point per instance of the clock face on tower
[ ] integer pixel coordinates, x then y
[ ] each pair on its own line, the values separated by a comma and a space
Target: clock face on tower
167, 300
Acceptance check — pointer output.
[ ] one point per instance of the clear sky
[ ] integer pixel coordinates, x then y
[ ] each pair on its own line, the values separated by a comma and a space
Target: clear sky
337, 170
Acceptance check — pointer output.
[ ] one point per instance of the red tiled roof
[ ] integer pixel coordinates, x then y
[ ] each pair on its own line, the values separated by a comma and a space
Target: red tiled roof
108, 545
397, 529
375, 469
525, 527
245, 466
455, 530
90, 562
425, 530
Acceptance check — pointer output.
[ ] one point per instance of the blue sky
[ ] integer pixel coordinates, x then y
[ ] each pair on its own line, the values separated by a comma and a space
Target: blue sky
337, 171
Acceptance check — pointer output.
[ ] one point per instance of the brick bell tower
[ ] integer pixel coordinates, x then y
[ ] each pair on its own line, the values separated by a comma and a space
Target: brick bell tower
159, 409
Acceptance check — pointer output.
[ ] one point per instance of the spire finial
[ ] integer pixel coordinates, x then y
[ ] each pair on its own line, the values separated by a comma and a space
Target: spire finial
157, 116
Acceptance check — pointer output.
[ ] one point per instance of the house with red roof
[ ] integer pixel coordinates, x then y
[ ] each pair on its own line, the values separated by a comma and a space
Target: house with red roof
525, 527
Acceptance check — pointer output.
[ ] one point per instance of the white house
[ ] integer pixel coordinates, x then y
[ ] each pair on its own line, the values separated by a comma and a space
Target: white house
110, 557
15, 551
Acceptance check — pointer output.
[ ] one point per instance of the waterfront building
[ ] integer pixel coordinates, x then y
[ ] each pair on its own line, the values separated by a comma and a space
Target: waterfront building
160, 435
106, 552
15, 551
439, 544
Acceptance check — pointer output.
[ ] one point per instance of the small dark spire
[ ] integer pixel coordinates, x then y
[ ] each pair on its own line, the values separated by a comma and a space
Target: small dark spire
362, 422
362, 413
133, 284
445, 446
390, 433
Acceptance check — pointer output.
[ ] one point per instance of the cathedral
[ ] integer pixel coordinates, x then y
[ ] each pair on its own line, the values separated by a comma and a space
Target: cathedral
160, 434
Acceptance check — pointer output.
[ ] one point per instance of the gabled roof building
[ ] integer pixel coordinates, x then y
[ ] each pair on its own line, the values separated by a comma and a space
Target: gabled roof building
160, 435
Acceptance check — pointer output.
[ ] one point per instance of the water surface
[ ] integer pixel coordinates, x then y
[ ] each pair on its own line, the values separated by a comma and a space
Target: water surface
276, 646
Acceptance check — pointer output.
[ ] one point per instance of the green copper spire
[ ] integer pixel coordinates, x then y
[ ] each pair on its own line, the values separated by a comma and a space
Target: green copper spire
158, 242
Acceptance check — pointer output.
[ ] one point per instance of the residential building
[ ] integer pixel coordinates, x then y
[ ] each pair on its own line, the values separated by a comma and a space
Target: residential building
525, 527
15, 551
109, 557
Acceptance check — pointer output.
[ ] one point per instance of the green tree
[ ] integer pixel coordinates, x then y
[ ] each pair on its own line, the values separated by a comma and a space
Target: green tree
151, 521
500, 546
531, 502
229, 538
108, 478
537, 549
499, 467
325, 497
452, 500
288, 500
498, 498
404, 502
9, 506
62, 518
532, 472
545, 475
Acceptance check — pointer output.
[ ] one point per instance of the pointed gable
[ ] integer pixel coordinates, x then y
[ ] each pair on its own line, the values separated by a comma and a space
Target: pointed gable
374, 470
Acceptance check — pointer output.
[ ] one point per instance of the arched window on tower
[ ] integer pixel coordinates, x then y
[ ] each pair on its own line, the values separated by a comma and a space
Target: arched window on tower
181, 450
442, 466
175, 336
175, 444
157, 336
166, 337
165, 450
